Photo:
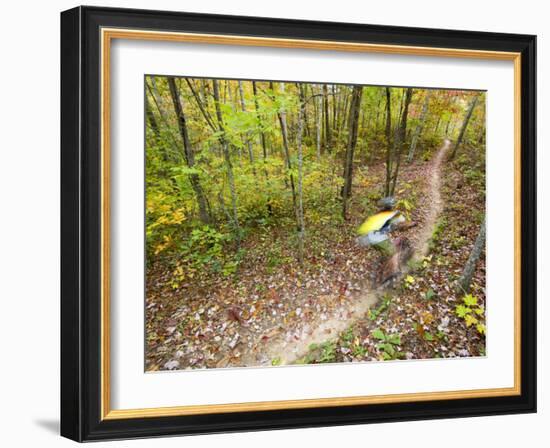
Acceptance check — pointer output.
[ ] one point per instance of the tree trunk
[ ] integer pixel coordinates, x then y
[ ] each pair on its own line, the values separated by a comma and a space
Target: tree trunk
400, 139
336, 100
401, 104
188, 154
203, 105
284, 132
227, 157
158, 99
151, 117
231, 101
389, 155
327, 123
300, 211
378, 109
464, 126
437, 125
342, 121
447, 127
419, 127
247, 139
470, 266
318, 124
262, 141
352, 142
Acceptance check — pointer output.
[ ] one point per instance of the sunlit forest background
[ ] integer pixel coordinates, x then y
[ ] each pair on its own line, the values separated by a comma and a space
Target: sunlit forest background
254, 193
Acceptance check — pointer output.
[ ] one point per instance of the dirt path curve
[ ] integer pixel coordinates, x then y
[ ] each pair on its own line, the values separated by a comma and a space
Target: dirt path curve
290, 347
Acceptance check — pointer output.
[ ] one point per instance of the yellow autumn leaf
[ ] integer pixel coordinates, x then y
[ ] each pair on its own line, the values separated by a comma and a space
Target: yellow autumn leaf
470, 320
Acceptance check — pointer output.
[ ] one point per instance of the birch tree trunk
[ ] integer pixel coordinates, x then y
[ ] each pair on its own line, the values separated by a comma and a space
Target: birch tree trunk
188, 153
470, 266
419, 127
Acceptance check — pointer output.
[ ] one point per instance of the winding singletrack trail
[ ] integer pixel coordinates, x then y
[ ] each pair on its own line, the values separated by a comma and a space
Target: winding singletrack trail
434, 198
289, 347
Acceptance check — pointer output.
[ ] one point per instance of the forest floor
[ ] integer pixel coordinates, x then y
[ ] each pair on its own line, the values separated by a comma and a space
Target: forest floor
276, 312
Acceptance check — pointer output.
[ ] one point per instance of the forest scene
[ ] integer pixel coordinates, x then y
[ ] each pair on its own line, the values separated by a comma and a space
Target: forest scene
300, 223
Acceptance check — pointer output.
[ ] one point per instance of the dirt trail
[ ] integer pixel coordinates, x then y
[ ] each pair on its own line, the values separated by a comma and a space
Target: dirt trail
436, 204
289, 347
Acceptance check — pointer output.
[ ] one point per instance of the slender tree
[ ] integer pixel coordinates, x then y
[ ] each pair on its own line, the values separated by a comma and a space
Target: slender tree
248, 142
151, 117
188, 153
400, 139
420, 126
318, 123
389, 155
229, 167
464, 125
300, 210
327, 124
352, 142
447, 127
281, 114
470, 266
263, 143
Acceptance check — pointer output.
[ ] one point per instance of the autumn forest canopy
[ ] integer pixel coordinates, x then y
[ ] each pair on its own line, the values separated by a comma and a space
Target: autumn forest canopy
254, 194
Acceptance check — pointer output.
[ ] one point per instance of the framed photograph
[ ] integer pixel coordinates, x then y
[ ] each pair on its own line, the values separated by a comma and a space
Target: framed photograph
273, 223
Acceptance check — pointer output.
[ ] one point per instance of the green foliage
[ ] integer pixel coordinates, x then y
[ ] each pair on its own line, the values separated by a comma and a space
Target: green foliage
359, 351
373, 314
388, 345
428, 336
406, 206
437, 233
320, 353
347, 336
429, 294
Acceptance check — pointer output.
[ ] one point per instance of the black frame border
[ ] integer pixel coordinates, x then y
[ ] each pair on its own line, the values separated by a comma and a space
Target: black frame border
81, 223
